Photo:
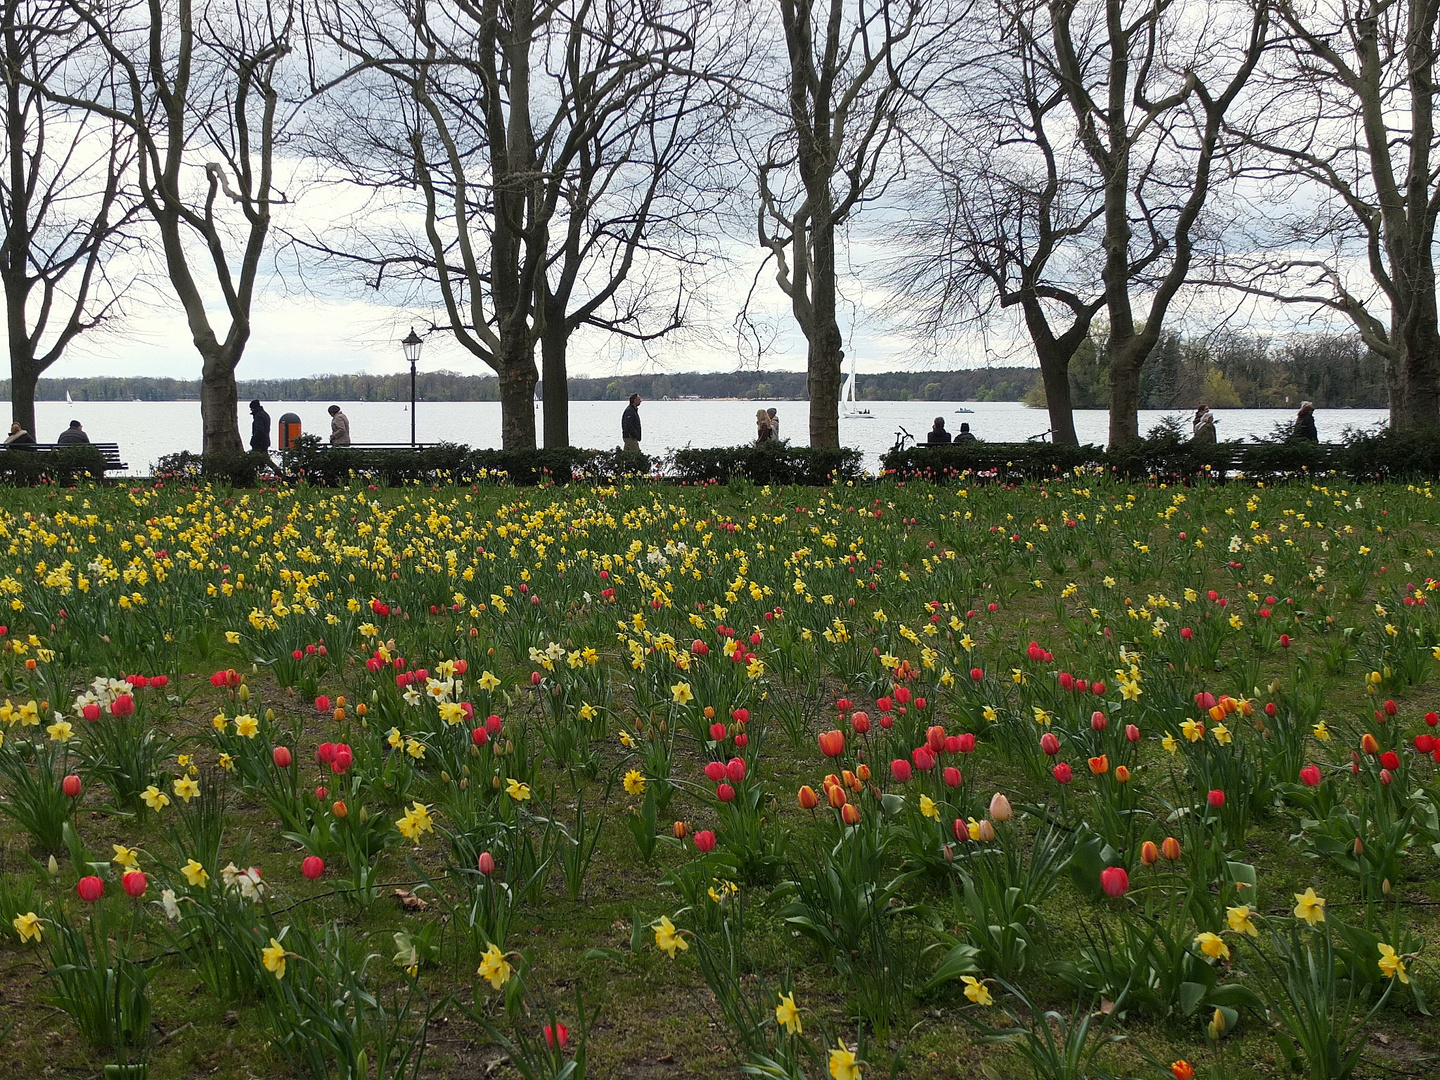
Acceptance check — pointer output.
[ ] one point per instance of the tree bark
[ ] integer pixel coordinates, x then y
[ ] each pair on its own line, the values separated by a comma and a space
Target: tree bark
24, 376
823, 339
1415, 336
517, 396
1125, 364
1055, 375
219, 406
554, 344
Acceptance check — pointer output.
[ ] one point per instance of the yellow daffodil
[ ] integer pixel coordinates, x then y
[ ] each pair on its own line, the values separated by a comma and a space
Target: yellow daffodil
1310, 907
667, 938
125, 857
1390, 961
60, 731
29, 928
634, 782
494, 967
976, 990
154, 798
516, 790
843, 1064
1213, 946
273, 957
681, 694
1241, 920
195, 874
787, 1015
248, 726
186, 788
928, 808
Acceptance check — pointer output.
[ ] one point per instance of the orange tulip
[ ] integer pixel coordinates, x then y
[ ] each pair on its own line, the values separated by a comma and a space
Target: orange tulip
808, 799
1100, 765
1149, 853
1170, 848
850, 813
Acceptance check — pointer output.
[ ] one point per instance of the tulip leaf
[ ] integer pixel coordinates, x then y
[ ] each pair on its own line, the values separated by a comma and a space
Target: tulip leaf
1189, 995
960, 960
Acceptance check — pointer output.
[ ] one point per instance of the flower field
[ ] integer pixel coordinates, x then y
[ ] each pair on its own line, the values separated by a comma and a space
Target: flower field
1078, 779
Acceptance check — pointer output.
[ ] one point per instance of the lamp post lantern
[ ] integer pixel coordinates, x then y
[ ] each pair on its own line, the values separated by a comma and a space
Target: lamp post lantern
411, 344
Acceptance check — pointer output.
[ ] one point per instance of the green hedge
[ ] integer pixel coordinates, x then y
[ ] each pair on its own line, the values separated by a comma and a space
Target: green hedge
313, 461
766, 463
1361, 457
65, 466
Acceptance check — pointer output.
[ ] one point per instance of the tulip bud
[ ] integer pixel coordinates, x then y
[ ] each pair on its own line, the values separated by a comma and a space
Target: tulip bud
705, 841
243, 693
1114, 881
485, 863
1132, 733
1170, 849
1310, 775
1122, 774
1098, 721
679, 830
951, 776
1149, 853
1000, 808
1358, 848
312, 867
1050, 743
1217, 1024
835, 795
850, 814
984, 831
71, 786
1216, 798
1063, 773
53, 867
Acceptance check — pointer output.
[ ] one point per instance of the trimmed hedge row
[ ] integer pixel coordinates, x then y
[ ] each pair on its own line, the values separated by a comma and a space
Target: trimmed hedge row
766, 463
1380, 456
314, 462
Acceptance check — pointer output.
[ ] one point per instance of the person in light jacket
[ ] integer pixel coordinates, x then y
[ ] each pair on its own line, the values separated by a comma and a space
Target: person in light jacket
774, 423
1202, 426
339, 427
763, 431
19, 437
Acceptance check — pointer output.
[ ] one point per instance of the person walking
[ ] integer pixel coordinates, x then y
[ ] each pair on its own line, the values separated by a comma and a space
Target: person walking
73, 435
938, 435
339, 427
19, 437
763, 432
1202, 426
1304, 429
259, 428
774, 423
630, 423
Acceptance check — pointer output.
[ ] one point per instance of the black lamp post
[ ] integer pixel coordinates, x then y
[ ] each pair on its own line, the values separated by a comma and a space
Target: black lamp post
411, 344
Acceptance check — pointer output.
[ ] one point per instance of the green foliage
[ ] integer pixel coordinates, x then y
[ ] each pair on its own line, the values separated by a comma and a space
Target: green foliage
64, 466
767, 463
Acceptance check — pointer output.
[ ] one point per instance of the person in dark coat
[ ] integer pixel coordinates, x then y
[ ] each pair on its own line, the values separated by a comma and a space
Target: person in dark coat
966, 435
938, 435
259, 428
630, 423
1304, 429
19, 437
73, 435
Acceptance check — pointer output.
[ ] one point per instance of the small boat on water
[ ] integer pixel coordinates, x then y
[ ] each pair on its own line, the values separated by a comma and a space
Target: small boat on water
967, 412
848, 408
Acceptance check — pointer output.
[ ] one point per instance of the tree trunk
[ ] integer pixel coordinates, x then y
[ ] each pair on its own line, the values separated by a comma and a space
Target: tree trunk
1125, 364
823, 355
1415, 373
219, 407
554, 342
24, 376
517, 398
1055, 374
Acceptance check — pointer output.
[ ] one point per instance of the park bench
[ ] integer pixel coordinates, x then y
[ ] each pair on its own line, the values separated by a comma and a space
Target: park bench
109, 451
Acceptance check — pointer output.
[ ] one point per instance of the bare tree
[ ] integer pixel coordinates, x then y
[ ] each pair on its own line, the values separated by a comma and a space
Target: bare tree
200, 91
544, 140
1005, 214
851, 68
1150, 83
63, 207
1346, 119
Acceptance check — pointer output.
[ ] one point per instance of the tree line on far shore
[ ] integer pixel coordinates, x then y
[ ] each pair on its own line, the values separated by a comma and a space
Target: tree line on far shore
1228, 371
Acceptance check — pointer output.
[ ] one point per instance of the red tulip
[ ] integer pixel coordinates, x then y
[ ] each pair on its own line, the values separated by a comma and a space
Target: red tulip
71, 786
312, 867
556, 1035
1391, 708
976, 674
885, 704
740, 716
966, 743
1310, 775
923, 759
1386, 777
90, 889
705, 841
951, 776
1050, 743
1132, 733
1114, 881
322, 703
1063, 773
91, 712
485, 863
281, 755
832, 743
1098, 722
714, 771
479, 736
134, 884
717, 732
1432, 718
1425, 743
1216, 798
1390, 760
124, 705
735, 769
935, 738
725, 793
900, 770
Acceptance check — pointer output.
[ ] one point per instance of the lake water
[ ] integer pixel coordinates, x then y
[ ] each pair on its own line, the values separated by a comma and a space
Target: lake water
146, 430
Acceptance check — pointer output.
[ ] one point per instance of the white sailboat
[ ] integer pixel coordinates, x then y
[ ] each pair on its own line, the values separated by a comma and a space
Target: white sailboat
67, 399
848, 407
